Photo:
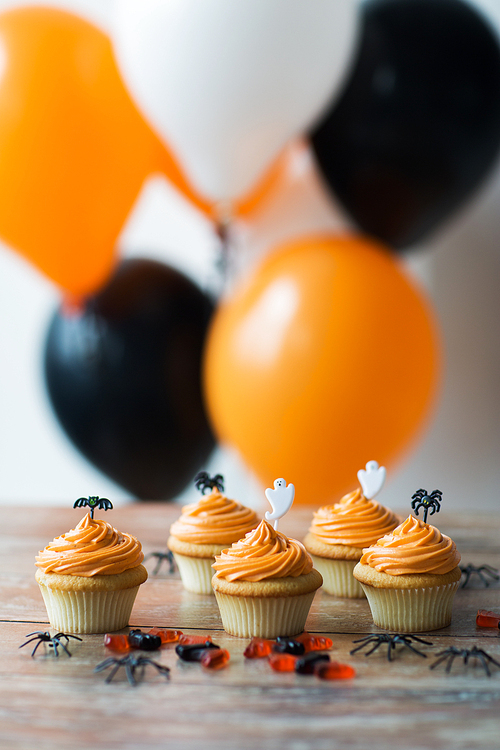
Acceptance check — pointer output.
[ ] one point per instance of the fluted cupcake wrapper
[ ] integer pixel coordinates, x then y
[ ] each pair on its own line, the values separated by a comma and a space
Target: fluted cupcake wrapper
196, 573
411, 610
338, 579
249, 617
88, 611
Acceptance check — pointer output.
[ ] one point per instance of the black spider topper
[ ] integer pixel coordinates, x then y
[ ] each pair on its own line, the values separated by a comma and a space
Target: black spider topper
432, 502
93, 502
204, 482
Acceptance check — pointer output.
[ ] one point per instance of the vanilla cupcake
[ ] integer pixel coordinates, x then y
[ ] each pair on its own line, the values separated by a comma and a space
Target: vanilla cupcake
410, 577
265, 584
89, 577
339, 533
203, 530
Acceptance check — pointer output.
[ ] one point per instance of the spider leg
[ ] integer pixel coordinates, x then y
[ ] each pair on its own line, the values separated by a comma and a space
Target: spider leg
375, 647
30, 641
105, 664
53, 645
480, 656
451, 659
130, 669
113, 672
57, 642
415, 650
490, 658
466, 573
391, 645
420, 640
39, 642
364, 642
441, 657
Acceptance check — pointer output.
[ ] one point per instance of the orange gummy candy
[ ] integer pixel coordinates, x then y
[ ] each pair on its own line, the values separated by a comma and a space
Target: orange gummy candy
166, 636
282, 662
314, 642
485, 619
117, 642
257, 648
215, 658
333, 670
188, 640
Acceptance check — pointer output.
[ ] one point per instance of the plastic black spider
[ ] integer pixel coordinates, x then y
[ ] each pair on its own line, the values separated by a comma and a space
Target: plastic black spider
432, 502
486, 573
162, 557
449, 654
204, 482
392, 640
54, 641
131, 662
93, 502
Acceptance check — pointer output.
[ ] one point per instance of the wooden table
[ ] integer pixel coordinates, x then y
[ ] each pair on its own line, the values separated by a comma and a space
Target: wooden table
48, 702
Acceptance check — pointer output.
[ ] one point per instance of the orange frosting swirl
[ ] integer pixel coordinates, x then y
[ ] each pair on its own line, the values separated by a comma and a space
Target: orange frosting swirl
214, 519
93, 548
354, 521
413, 547
263, 553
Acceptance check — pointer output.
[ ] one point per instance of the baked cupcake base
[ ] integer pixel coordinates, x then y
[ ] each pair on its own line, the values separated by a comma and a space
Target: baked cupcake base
266, 609
97, 604
409, 603
338, 579
195, 563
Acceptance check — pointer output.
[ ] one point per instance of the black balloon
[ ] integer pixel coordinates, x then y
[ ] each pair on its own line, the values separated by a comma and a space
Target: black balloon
418, 125
123, 376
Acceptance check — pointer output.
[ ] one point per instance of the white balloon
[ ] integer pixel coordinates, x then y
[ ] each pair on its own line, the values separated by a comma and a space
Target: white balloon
226, 83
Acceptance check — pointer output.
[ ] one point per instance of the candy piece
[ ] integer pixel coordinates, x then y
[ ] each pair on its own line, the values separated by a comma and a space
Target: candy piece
117, 642
485, 619
333, 670
144, 641
186, 640
215, 658
166, 636
306, 664
289, 646
282, 662
258, 647
314, 642
193, 651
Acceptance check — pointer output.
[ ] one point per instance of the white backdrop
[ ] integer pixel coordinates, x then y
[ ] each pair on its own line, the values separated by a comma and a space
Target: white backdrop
459, 266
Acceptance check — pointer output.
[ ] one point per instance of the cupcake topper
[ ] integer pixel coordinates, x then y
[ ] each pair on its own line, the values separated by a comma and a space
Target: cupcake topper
371, 479
204, 482
93, 502
430, 502
281, 499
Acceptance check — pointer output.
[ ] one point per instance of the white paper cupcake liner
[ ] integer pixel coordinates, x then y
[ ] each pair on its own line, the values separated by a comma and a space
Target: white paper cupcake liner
88, 611
249, 617
411, 610
338, 579
196, 573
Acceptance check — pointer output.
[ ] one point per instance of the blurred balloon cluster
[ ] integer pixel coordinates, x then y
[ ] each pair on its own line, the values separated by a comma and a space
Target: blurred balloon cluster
326, 353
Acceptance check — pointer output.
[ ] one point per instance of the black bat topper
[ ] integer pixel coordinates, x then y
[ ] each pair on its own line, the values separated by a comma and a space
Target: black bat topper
93, 502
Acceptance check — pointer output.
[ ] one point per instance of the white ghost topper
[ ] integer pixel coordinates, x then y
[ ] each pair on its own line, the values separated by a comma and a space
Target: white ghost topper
281, 499
371, 479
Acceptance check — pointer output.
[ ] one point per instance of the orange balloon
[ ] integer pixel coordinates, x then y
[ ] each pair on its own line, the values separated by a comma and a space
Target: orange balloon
324, 359
74, 150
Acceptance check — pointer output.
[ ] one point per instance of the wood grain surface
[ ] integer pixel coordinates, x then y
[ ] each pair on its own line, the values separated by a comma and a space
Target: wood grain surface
48, 702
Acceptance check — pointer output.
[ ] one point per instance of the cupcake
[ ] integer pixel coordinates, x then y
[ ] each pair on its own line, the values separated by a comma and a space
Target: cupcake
339, 533
203, 530
89, 577
410, 577
264, 584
